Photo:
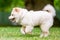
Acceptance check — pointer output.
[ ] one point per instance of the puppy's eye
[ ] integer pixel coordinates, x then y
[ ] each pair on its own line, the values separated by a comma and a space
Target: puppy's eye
47, 10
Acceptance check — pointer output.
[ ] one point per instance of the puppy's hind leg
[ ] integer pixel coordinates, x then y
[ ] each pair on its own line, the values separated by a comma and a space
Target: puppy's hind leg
45, 29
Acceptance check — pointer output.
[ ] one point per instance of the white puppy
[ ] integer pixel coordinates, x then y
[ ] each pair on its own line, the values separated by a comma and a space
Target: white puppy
29, 19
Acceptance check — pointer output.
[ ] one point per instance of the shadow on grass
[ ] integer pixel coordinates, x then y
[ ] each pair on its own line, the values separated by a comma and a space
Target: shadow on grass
10, 25
27, 35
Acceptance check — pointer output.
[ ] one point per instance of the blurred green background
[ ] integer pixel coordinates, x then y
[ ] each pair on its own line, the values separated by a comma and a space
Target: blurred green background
57, 4
7, 5
5, 9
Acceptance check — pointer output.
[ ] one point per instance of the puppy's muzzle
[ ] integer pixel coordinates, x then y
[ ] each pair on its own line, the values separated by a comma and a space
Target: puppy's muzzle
11, 18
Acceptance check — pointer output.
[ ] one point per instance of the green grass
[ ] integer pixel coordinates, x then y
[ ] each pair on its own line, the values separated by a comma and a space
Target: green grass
13, 33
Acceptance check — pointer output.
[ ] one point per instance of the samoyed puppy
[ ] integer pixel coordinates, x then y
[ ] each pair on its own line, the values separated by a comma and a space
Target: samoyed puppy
29, 19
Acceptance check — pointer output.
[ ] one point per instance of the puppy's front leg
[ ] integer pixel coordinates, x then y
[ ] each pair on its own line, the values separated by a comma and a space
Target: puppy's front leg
23, 29
28, 29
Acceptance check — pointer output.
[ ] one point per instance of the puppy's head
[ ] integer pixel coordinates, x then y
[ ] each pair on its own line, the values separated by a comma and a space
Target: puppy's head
14, 17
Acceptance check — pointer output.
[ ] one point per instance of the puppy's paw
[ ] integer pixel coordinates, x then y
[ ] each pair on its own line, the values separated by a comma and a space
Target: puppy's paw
46, 34
23, 30
29, 33
42, 35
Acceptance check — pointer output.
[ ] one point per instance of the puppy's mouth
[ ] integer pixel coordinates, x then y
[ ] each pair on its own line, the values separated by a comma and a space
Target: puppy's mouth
13, 19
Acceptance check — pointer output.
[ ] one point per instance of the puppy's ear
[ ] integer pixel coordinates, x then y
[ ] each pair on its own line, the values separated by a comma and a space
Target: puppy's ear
17, 10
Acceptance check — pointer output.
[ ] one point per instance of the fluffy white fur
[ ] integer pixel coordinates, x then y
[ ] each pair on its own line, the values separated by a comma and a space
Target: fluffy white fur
29, 19
50, 9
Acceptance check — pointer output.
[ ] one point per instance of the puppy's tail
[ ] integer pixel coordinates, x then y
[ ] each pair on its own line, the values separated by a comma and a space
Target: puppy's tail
49, 8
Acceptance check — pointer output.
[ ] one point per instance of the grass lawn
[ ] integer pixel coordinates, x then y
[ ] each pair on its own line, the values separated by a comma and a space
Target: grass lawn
13, 33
